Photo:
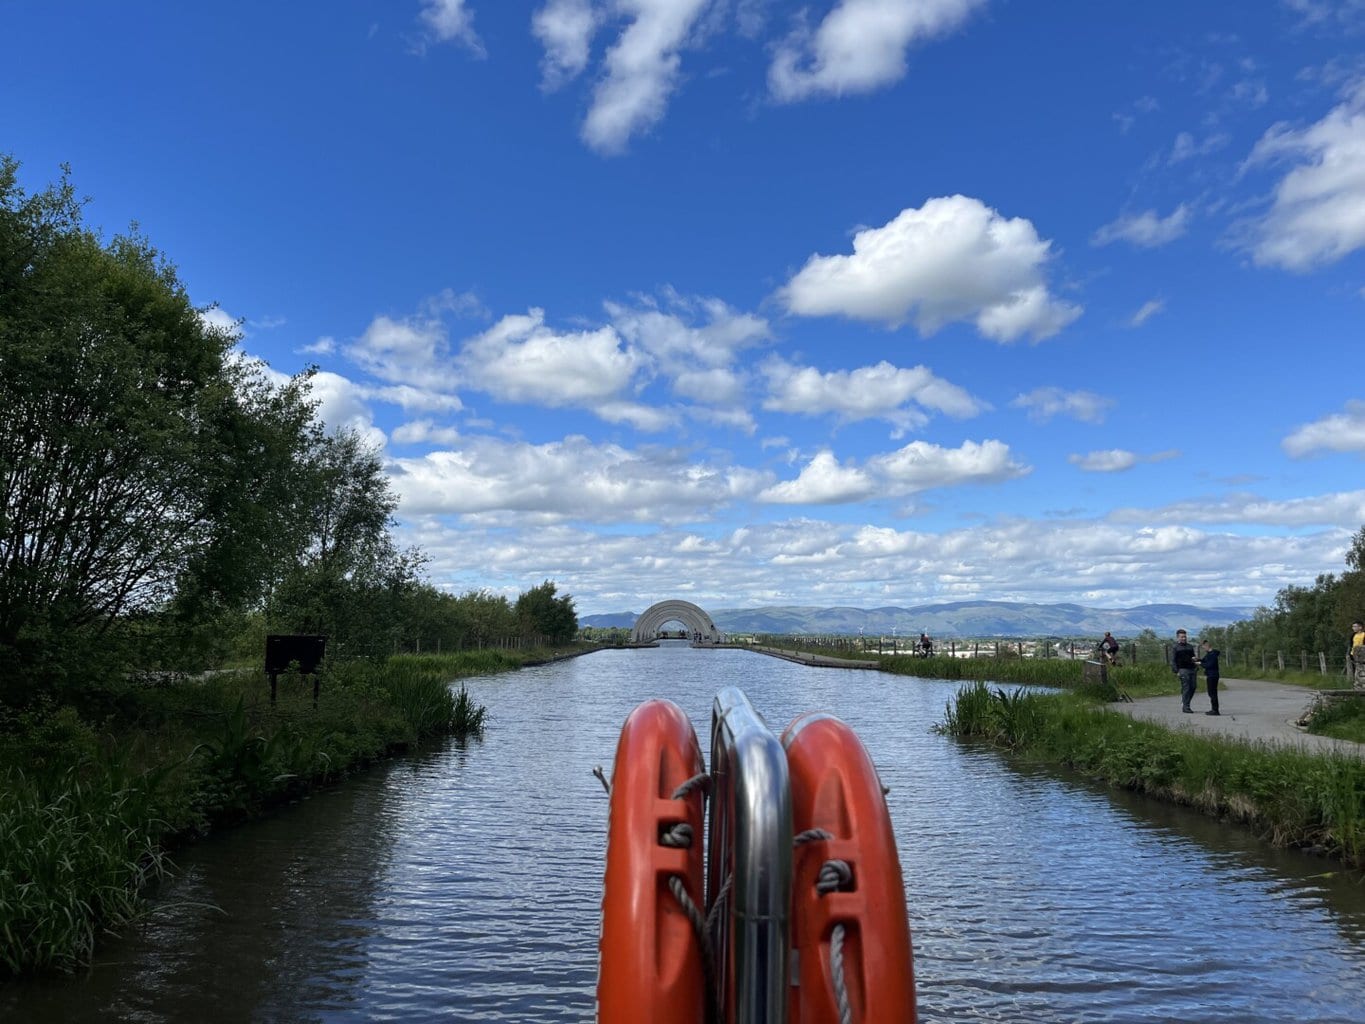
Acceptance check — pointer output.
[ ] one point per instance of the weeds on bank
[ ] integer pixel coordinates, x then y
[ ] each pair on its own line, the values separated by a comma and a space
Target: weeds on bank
1344, 720
91, 796
1291, 797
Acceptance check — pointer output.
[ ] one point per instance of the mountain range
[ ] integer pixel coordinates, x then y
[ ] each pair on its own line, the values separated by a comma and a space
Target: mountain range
960, 619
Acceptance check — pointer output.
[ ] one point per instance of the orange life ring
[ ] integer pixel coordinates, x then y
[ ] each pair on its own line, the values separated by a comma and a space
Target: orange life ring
650, 968
869, 960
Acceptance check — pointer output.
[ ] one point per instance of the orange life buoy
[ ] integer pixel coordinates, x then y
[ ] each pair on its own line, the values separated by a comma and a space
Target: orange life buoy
850, 931
651, 969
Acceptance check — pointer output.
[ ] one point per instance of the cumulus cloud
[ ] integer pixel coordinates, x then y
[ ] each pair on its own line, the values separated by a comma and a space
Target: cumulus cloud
1044, 403
1341, 432
1318, 212
1146, 229
919, 466
569, 479
401, 350
641, 71
952, 259
343, 405
822, 481
1115, 460
520, 359
860, 45
892, 393
450, 21
1149, 309
565, 29
425, 432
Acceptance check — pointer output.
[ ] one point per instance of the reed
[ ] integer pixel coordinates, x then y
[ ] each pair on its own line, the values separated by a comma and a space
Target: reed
87, 813
1289, 796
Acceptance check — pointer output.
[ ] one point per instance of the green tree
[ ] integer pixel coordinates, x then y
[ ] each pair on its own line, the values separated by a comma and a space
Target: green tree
541, 613
139, 459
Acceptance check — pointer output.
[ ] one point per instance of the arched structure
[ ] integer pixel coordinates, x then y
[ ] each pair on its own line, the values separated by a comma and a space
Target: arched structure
698, 623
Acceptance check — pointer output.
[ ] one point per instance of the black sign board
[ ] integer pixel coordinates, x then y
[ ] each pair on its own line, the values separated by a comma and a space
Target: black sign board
285, 649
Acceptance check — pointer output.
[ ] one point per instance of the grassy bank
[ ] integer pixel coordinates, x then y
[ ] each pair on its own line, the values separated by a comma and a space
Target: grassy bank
1316, 801
96, 789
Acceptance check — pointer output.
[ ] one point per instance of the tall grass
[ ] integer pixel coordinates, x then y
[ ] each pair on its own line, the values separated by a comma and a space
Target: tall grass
1289, 796
87, 811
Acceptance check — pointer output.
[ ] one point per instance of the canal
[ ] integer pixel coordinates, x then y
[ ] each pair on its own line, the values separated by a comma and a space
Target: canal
463, 883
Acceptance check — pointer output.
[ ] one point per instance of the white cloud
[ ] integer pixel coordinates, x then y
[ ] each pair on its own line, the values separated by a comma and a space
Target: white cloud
860, 45
519, 359
1342, 432
218, 319
1343, 509
425, 431
642, 71
342, 405
1149, 309
1116, 460
451, 21
565, 28
416, 399
919, 466
1145, 229
1044, 403
1100, 562
952, 259
1318, 213
569, 479
823, 481
1186, 147
883, 391
324, 346
400, 350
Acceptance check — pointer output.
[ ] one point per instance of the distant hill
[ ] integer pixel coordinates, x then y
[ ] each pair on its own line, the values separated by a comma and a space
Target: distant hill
961, 619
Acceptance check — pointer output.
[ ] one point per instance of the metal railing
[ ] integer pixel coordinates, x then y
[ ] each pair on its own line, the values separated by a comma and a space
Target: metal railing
749, 863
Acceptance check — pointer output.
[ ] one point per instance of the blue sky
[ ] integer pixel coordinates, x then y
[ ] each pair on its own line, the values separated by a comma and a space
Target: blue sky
857, 302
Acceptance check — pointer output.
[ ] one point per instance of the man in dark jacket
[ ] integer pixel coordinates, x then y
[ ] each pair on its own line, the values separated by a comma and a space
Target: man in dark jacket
1183, 665
1209, 663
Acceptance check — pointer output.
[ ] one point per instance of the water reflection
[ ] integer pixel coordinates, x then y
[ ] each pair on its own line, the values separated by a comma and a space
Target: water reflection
464, 883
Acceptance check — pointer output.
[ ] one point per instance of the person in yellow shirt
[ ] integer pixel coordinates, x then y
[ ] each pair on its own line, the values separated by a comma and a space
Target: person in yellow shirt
1355, 657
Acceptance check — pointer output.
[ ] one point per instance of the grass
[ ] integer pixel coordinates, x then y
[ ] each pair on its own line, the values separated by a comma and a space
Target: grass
1289, 797
95, 790
1344, 720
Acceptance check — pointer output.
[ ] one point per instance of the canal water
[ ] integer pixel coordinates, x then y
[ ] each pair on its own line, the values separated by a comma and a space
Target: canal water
463, 883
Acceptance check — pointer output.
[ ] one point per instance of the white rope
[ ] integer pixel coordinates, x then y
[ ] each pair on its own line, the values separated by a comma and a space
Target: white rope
834, 876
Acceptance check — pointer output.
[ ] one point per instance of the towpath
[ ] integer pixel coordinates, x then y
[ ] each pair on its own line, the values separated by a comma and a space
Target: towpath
1256, 710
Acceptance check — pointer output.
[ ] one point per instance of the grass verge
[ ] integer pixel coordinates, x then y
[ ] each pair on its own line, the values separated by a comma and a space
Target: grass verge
96, 788
1292, 798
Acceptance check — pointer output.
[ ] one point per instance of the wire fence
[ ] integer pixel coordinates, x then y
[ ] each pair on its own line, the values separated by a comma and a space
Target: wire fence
1131, 653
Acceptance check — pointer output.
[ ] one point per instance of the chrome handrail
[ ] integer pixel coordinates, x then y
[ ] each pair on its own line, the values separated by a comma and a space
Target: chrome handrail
750, 851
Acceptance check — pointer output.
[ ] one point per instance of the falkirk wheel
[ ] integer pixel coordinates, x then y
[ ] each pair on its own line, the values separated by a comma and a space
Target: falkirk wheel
698, 623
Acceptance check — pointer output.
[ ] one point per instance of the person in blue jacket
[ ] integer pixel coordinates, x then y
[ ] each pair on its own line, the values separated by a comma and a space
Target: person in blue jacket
1209, 663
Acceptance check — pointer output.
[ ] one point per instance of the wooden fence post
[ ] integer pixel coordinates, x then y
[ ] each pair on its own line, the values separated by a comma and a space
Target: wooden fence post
1303, 661
1322, 663
1279, 659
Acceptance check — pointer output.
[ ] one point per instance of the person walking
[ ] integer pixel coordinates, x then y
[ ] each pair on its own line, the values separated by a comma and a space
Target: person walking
1183, 665
1355, 655
1209, 663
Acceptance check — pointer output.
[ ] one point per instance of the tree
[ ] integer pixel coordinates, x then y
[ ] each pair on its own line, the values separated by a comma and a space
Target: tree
540, 613
138, 458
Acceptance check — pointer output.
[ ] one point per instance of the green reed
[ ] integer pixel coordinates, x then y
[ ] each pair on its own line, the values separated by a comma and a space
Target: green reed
1288, 795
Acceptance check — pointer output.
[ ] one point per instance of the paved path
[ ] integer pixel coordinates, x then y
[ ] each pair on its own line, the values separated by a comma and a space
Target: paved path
1251, 709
